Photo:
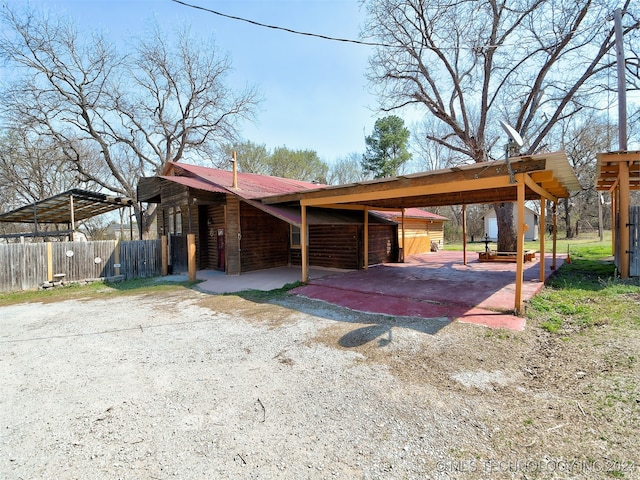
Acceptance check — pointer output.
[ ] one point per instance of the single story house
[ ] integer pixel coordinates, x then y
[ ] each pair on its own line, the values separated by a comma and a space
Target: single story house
530, 219
235, 232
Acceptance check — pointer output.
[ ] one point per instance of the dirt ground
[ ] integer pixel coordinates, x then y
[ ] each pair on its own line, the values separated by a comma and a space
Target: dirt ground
191, 385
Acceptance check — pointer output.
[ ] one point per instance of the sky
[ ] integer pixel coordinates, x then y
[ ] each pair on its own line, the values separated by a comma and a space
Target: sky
315, 93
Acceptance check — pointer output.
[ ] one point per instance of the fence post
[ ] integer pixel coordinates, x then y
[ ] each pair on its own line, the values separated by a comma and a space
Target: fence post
49, 262
164, 253
191, 249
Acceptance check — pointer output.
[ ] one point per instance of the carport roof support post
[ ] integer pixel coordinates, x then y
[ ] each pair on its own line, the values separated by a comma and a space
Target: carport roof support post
520, 244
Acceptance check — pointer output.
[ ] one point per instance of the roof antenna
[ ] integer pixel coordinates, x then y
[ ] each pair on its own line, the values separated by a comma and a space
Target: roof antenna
514, 140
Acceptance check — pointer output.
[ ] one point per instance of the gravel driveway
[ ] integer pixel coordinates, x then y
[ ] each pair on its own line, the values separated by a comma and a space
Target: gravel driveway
189, 385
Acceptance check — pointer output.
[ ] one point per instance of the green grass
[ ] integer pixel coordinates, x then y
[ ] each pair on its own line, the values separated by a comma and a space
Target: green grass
587, 293
261, 296
584, 240
95, 289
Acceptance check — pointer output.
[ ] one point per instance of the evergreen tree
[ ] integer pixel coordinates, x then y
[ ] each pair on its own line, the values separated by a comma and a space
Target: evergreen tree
386, 147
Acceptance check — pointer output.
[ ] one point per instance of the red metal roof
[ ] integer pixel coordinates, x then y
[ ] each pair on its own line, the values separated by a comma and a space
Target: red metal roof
410, 213
193, 182
250, 185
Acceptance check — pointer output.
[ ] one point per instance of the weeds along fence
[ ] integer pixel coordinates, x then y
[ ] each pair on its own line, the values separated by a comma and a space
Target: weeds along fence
30, 265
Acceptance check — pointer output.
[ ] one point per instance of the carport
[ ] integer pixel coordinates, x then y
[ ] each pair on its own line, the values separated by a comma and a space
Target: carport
542, 177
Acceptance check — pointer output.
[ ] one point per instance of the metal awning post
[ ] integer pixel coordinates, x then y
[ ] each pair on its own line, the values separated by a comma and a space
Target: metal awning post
73, 221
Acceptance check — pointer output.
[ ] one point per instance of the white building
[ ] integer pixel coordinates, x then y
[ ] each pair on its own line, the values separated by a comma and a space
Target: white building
530, 218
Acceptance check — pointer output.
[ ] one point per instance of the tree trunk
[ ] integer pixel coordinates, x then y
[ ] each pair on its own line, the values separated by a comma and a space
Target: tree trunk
567, 217
506, 227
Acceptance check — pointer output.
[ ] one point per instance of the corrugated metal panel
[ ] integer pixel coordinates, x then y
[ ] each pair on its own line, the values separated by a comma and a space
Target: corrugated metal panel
409, 213
250, 185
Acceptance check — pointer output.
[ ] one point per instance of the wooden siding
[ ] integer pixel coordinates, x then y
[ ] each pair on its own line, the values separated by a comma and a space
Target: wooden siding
213, 220
383, 246
334, 246
232, 233
174, 195
265, 240
418, 235
149, 189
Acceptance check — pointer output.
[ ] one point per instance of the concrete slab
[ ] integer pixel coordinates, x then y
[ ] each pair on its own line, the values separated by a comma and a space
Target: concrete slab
218, 282
434, 286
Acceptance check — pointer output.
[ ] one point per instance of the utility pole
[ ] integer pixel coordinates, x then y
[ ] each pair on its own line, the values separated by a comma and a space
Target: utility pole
622, 86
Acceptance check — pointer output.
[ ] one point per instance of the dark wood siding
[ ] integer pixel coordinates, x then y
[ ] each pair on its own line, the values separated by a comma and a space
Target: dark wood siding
383, 246
149, 189
174, 195
212, 221
265, 240
334, 246
232, 231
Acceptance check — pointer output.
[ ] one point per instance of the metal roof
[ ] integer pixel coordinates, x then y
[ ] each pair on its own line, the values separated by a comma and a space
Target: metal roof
57, 209
486, 182
251, 186
413, 213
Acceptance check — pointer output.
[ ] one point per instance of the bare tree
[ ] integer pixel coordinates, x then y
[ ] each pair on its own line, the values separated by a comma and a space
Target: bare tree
429, 155
159, 103
582, 138
348, 169
471, 63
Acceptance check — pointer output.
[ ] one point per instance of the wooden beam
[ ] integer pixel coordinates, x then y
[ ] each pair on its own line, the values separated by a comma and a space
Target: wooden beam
518, 305
438, 189
464, 234
411, 184
542, 232
191, 251
164, 254
537, 188
555, 234
619, 157
624, 219
404, 252
303, 242
614, 206
543, 176
49, 262
366, 238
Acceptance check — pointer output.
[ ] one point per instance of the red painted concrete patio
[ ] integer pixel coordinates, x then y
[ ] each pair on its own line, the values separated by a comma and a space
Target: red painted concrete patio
435, 285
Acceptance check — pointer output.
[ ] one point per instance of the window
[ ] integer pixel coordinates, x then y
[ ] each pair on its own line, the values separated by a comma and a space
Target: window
175, 221
295, 236
178, 221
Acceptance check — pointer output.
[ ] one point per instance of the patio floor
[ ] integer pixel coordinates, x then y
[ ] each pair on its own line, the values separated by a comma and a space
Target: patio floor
435, 285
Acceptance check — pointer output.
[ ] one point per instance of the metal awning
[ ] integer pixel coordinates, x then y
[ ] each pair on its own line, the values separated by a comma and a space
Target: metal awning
74, 204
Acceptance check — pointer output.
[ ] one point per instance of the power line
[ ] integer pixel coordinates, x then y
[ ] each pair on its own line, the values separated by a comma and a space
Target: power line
284, 29
361, 42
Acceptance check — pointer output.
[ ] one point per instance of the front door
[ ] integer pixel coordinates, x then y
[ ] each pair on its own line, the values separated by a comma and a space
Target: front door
220, 244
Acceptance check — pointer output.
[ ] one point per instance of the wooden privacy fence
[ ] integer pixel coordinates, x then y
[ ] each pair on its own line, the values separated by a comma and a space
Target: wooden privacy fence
27, 266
